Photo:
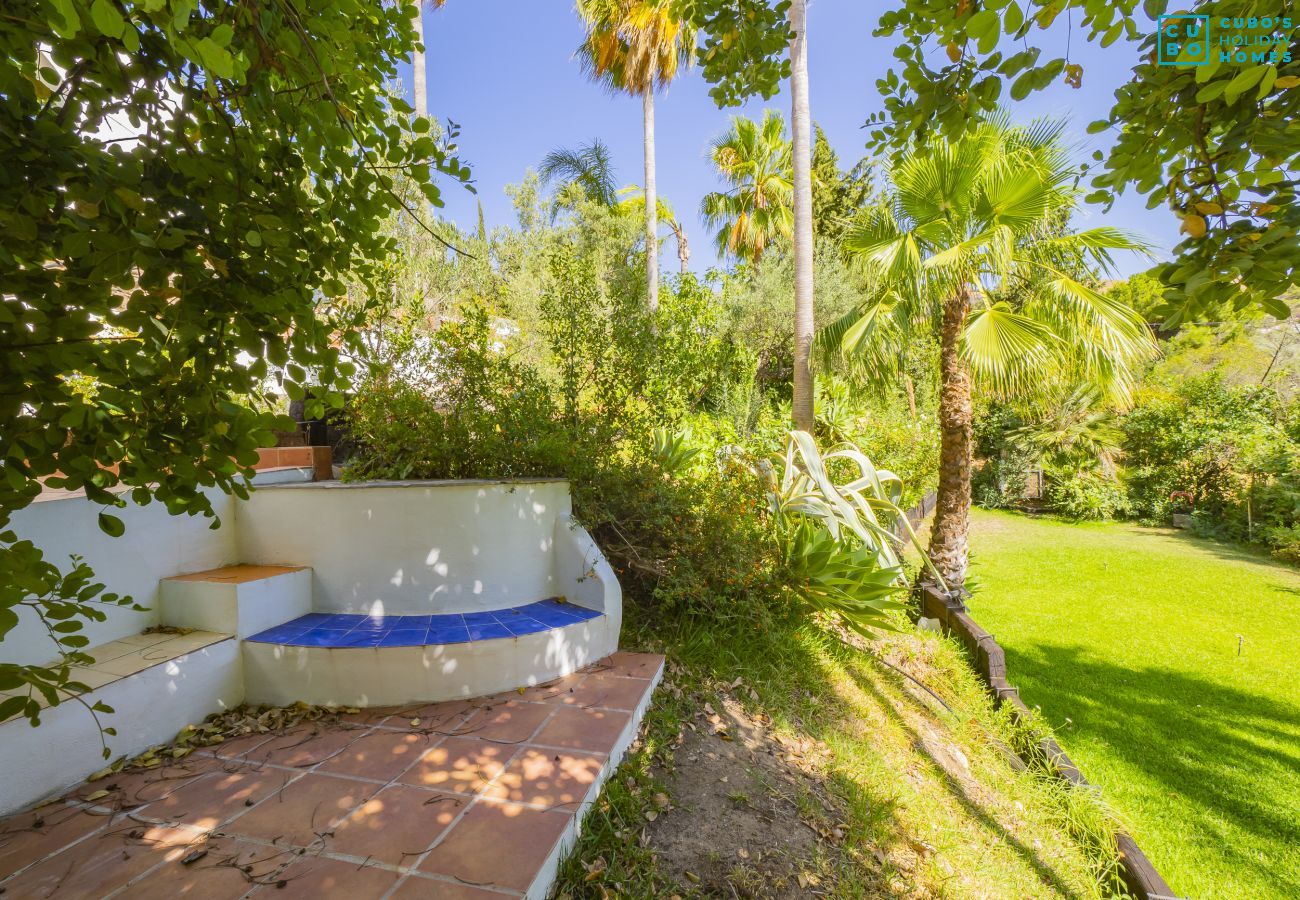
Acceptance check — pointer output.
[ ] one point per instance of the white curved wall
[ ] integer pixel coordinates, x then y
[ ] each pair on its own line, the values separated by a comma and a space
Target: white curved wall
415, 547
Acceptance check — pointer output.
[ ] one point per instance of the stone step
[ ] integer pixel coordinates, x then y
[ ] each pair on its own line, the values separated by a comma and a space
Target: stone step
241, 600
156, 683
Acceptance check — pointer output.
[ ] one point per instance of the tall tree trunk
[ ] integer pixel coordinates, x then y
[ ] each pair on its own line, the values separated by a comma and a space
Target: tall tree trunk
651, 202
683, 249
801, 126
419, 75
952, 505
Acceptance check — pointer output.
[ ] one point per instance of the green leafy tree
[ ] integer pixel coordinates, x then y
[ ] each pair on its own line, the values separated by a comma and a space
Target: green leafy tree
836, 195
187, 188
742, 55
754, 159
970, 245
1217, 142
636, 47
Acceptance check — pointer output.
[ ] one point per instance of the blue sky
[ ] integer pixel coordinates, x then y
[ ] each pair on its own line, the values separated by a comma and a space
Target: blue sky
504, 71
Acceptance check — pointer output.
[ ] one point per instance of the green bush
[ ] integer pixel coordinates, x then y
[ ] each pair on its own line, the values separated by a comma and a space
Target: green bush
1087, 495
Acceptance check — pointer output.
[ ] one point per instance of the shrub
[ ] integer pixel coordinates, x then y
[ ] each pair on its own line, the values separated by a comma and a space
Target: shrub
1087, 495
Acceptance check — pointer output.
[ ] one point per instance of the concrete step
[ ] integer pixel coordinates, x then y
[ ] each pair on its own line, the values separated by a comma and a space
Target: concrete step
156, 683
240, 600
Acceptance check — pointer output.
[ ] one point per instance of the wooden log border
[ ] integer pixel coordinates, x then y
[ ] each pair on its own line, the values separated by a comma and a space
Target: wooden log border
1139, 876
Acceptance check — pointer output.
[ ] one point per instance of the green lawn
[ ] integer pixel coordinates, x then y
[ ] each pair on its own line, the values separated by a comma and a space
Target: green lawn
1126, 637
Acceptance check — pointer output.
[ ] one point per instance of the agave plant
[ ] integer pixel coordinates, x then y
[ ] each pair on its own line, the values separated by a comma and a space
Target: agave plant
672, 450
838, 538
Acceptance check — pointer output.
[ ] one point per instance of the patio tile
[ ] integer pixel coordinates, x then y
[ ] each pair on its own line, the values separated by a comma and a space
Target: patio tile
418, 887
558, 691
380, 755
582, 729
131, 790
631, 665
103, 863
29, 836
304, 809
229, 869
464, 765
219, 796
318, 877
397, 825
473, 850
305, 745
431, 717
548, 778
609, 691
511, 722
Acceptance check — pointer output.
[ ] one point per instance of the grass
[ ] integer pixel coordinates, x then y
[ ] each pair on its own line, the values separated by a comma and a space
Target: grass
1127, 638
926, 801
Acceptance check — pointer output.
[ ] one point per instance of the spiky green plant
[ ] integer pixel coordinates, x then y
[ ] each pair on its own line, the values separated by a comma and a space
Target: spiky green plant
838, 537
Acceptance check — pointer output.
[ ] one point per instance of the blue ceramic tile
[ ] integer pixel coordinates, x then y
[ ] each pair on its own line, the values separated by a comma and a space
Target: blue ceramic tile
407, 622
524, 625
446, 619
488, 632
354, 639
448, 634
278, 635
479, 618
320, 638
313, 618
404, 637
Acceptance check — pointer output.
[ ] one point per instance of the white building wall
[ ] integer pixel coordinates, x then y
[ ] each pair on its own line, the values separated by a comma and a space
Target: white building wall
155, 545
410, 547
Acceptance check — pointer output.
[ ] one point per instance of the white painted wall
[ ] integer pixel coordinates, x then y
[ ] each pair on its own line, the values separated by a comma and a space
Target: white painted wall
154, 546
410, 547
149, 708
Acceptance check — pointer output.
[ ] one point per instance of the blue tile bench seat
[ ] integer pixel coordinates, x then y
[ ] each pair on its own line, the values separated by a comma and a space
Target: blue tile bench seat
347, 630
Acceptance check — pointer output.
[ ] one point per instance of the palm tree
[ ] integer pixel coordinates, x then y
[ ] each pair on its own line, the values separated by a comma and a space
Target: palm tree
633, 204
635, 46
973, 244
754, 159
590, 167
418, 74
801, 129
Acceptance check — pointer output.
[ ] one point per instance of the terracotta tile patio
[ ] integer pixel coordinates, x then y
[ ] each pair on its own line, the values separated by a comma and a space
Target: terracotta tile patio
462, 801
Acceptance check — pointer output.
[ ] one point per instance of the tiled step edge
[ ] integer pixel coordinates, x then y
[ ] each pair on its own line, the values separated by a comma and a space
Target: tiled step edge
549, 869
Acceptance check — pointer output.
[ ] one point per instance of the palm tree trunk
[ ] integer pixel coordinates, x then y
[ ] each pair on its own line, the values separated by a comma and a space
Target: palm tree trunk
651, 202
800, 120
419, 76
683, 249
952, 505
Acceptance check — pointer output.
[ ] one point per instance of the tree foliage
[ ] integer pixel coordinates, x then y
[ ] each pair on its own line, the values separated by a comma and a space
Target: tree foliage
986, 211
837, 195
187, 186
1217, 143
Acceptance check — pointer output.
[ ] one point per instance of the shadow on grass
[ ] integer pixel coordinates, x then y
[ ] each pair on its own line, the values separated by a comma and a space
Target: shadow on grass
976, 810
1235, 756
780, 666
1230, 551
